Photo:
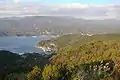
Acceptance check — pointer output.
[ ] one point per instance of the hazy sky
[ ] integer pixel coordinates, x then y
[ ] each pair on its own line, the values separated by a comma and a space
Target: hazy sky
63, 1
92, 9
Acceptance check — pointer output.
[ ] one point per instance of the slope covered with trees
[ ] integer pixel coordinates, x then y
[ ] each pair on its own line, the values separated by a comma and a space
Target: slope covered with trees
78, 58
73, 39
84, 58
13, 65
97, 60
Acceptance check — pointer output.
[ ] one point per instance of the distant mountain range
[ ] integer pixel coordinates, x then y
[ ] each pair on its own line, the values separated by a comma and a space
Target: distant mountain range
55, 25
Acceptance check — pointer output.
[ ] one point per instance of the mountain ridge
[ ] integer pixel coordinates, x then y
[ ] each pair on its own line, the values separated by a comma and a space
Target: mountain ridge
49, 25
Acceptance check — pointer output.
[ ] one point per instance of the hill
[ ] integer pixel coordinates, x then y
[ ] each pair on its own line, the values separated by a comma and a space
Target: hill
92, 60
77, 57
14, 63
55, 25
76, 39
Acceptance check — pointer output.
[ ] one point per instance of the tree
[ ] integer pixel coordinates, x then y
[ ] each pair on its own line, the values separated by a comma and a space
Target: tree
35, 74
50, 72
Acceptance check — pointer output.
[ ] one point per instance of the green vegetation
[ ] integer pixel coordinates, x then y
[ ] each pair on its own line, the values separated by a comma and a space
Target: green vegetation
76, 39
17, 66
34, 74
95, 58
77, 58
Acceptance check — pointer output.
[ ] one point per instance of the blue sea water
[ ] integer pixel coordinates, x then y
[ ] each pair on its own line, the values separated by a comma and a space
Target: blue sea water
23, 44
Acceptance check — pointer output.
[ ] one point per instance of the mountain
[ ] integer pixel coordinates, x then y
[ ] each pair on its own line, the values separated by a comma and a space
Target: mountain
55, 44
80, 57
76, 39
83, 58
55, 25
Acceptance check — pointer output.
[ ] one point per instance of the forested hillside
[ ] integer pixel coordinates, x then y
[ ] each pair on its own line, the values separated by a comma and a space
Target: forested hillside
74, 39
96, 60
78, 57
14, 65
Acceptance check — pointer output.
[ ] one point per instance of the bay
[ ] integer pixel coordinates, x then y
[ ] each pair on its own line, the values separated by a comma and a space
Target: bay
23, 44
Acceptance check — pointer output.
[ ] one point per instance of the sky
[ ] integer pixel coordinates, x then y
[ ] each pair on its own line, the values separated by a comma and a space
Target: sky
67, 1
62, 1
90, 9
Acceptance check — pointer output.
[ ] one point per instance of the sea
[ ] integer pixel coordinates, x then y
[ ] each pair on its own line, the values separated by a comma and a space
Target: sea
22, 44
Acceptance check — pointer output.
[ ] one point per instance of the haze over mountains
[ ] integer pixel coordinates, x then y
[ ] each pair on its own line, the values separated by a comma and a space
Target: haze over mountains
54, 25
39, 19
86, 11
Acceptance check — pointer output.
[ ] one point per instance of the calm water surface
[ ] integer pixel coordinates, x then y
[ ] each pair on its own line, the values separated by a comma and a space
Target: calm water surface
21, 44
